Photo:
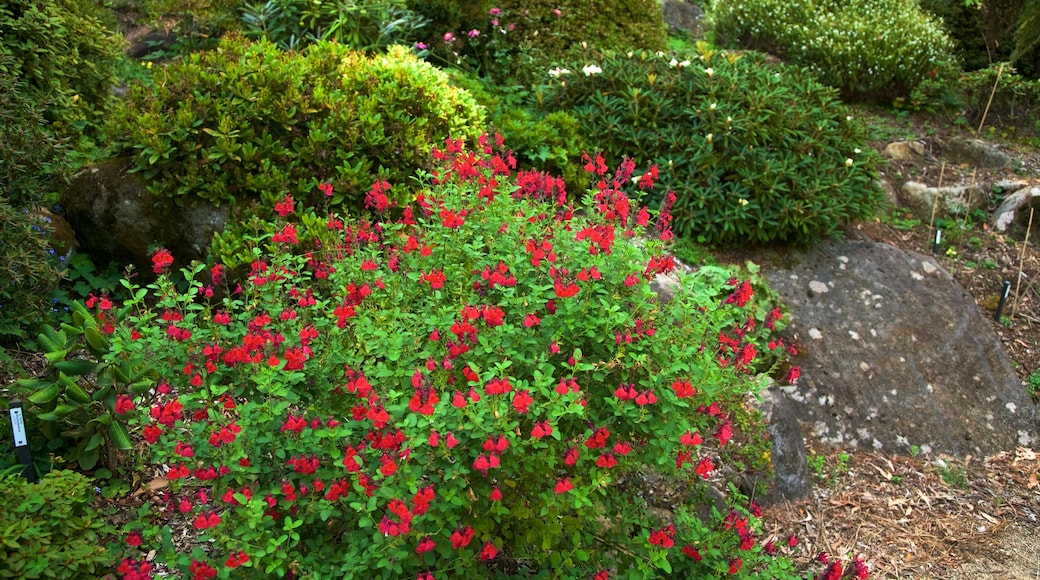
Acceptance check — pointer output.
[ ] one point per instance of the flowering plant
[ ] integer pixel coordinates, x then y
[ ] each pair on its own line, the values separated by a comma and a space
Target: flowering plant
477, 383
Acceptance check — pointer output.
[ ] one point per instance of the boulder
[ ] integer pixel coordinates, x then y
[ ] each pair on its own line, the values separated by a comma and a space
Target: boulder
954, 200
976, 153
907, 151
790, 479
1015, 207
896, 355
683, 18
116, 218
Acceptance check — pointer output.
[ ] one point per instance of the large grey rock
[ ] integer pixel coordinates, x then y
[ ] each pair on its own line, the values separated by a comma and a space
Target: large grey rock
116, 218
1016, 207
790, 478
954, 200
895, 354
684, 18
978, 153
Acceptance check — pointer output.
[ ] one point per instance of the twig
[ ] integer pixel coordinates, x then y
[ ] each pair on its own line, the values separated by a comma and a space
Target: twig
990, 101
1021, 259
971, 193
935, 199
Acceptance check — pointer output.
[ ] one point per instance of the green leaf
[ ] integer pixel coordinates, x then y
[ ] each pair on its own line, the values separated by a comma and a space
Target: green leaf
45, 396
119, 436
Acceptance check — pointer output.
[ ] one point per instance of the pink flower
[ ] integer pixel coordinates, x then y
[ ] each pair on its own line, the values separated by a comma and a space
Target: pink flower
494, 11
473, 33
449, 37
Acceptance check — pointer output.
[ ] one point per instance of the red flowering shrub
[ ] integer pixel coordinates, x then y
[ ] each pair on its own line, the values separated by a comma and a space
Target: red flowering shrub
462, 387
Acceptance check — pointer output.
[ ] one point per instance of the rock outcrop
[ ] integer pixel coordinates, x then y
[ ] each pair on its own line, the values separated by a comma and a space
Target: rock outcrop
896, 356
116, 218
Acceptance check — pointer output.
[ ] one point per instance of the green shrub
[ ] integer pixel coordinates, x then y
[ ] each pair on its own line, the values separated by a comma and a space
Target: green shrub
64, 56
31, 167
474, 389
1026, 55
519, 41
361, 24
49, 529
872, 50
551, 142
754, 152
965, 96
251, 123
27, 272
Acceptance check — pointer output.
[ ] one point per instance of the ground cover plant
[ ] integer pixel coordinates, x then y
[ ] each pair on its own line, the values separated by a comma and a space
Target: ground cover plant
467, 385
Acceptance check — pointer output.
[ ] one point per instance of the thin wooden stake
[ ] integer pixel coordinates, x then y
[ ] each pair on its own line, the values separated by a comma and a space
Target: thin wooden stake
990, 101
1021, 260
935, 200
971, 193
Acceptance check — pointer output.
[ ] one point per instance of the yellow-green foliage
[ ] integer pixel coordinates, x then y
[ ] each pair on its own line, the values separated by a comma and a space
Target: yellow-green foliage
249, 121
49, 530
64, 56
871, 50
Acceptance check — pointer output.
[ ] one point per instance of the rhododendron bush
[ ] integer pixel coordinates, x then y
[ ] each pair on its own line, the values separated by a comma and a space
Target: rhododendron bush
474, 385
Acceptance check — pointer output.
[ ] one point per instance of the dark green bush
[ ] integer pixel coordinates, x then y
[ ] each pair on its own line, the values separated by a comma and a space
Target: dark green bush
250, 122
64, 55
754, 152
872, 50
361, 24
49, 529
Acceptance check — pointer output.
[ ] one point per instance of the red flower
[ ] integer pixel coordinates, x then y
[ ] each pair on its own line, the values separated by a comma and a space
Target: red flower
522, 401
724, 433
496, 445
325, 188
496, 495
236, 560
564, 290
461, 537
435, 279
425, 545
606, 461
793, 375
663, 537
205, 521
563, 485
201, 571
133, 539
184, 450
541, 429
285, 207
123, 405
705, 467
735, 565
161, 259
692, 552
683, 388
488, 552
688, 438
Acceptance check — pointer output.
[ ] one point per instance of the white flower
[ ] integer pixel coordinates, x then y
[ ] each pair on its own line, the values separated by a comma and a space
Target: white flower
556, 72
729, 120
684, 63
743, 201
711, 107
710, 137
848, 162
857, 151
709, 71
591, 69
674, 63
